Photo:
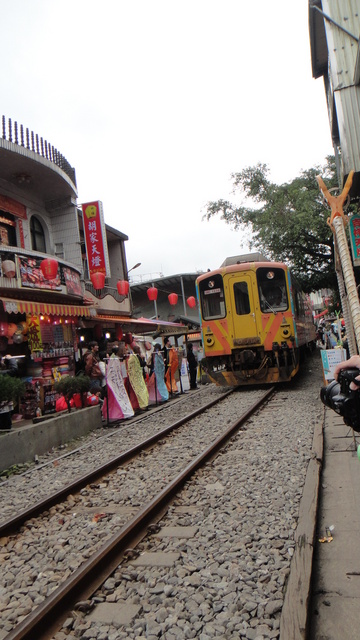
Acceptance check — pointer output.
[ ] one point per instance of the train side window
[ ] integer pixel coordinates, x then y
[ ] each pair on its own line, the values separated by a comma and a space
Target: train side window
241, 297
212, 298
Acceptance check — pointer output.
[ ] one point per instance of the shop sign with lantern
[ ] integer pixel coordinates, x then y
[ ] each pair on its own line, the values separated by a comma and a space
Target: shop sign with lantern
39, 274
95, 243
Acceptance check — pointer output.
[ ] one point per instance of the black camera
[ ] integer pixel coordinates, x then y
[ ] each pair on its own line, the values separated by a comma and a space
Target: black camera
339, 397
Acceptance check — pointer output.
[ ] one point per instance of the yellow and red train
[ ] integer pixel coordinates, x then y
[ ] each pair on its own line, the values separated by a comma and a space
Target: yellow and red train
255, 320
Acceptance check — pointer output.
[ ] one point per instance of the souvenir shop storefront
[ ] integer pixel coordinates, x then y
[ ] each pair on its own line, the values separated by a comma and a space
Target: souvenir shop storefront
43, 339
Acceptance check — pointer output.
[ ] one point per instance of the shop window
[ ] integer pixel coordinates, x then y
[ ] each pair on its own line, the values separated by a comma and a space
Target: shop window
59, 250
37, 235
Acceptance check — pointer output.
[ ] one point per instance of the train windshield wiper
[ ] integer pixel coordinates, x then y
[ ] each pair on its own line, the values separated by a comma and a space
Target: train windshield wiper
270, 307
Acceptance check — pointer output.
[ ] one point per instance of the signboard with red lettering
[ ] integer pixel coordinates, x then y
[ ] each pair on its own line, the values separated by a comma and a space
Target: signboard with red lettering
34, 333
95, 238
13, 206
72, 281
354, 227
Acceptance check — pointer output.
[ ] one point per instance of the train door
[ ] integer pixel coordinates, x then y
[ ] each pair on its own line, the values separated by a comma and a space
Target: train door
242, 309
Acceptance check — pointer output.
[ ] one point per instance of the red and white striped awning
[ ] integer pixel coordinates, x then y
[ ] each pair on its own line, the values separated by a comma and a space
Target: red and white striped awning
50, 309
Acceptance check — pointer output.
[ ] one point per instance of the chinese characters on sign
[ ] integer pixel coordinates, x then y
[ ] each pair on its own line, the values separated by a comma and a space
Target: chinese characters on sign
330, 358
355, 238
34, 333
94, 229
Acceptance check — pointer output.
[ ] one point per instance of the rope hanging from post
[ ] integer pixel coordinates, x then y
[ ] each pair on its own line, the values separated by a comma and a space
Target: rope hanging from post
337, 222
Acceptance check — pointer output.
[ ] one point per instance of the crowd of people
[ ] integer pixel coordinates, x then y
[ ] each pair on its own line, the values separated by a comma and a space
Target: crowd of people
135, 379
332, 334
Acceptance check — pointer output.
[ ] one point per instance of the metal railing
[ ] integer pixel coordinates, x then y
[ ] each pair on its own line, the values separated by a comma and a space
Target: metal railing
16, 134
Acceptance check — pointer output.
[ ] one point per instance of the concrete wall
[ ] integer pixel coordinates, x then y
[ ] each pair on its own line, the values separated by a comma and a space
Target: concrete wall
22, 444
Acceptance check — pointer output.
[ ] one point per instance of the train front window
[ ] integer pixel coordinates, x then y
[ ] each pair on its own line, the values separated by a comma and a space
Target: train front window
272, 290
241, 297
212, 297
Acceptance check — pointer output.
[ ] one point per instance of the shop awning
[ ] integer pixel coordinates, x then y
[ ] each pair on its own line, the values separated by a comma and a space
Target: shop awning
27, 306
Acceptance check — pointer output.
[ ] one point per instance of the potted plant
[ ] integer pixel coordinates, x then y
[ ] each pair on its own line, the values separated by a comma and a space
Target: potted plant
70, 385
11, 389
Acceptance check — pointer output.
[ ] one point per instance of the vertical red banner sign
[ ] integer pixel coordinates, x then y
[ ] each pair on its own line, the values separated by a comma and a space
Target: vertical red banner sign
94, 237
21, 234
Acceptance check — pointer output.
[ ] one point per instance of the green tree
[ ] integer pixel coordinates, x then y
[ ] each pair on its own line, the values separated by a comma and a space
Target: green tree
288, 222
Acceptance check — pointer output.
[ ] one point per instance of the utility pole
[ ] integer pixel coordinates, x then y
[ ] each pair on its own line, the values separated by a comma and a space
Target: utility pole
350, 298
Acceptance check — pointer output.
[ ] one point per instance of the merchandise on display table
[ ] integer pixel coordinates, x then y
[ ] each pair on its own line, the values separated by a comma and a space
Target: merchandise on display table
31, 401
44, 362
44, 369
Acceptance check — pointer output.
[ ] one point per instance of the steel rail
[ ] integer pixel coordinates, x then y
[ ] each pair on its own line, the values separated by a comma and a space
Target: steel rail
121, 422
12, 524
92, 573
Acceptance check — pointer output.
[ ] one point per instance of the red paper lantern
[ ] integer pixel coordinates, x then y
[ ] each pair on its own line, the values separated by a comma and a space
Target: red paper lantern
191, 301
128, 338
49, 268
98, 279
173, 298
123, 287
152, 293
119, 333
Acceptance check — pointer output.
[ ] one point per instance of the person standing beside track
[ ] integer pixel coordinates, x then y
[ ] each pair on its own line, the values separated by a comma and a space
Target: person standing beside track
192, 362
92, 368
166, 349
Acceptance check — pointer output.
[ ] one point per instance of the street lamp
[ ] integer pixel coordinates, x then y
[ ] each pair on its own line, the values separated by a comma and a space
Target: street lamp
138, 264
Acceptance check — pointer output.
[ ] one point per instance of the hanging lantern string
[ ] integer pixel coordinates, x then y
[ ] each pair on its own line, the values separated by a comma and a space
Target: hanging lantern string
169, 292
186, 297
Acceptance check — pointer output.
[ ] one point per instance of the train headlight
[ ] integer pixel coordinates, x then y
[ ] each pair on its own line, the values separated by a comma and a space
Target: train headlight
209, 341
285, 332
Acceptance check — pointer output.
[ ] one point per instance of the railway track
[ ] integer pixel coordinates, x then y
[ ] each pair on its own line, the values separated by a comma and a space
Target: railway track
48, 475
249, 526
13, 523
63, 514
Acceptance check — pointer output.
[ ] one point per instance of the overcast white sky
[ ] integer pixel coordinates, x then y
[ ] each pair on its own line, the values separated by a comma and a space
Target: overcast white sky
156, 102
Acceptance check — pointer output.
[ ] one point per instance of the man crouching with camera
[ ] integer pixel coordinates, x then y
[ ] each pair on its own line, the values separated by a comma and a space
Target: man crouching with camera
342, 394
